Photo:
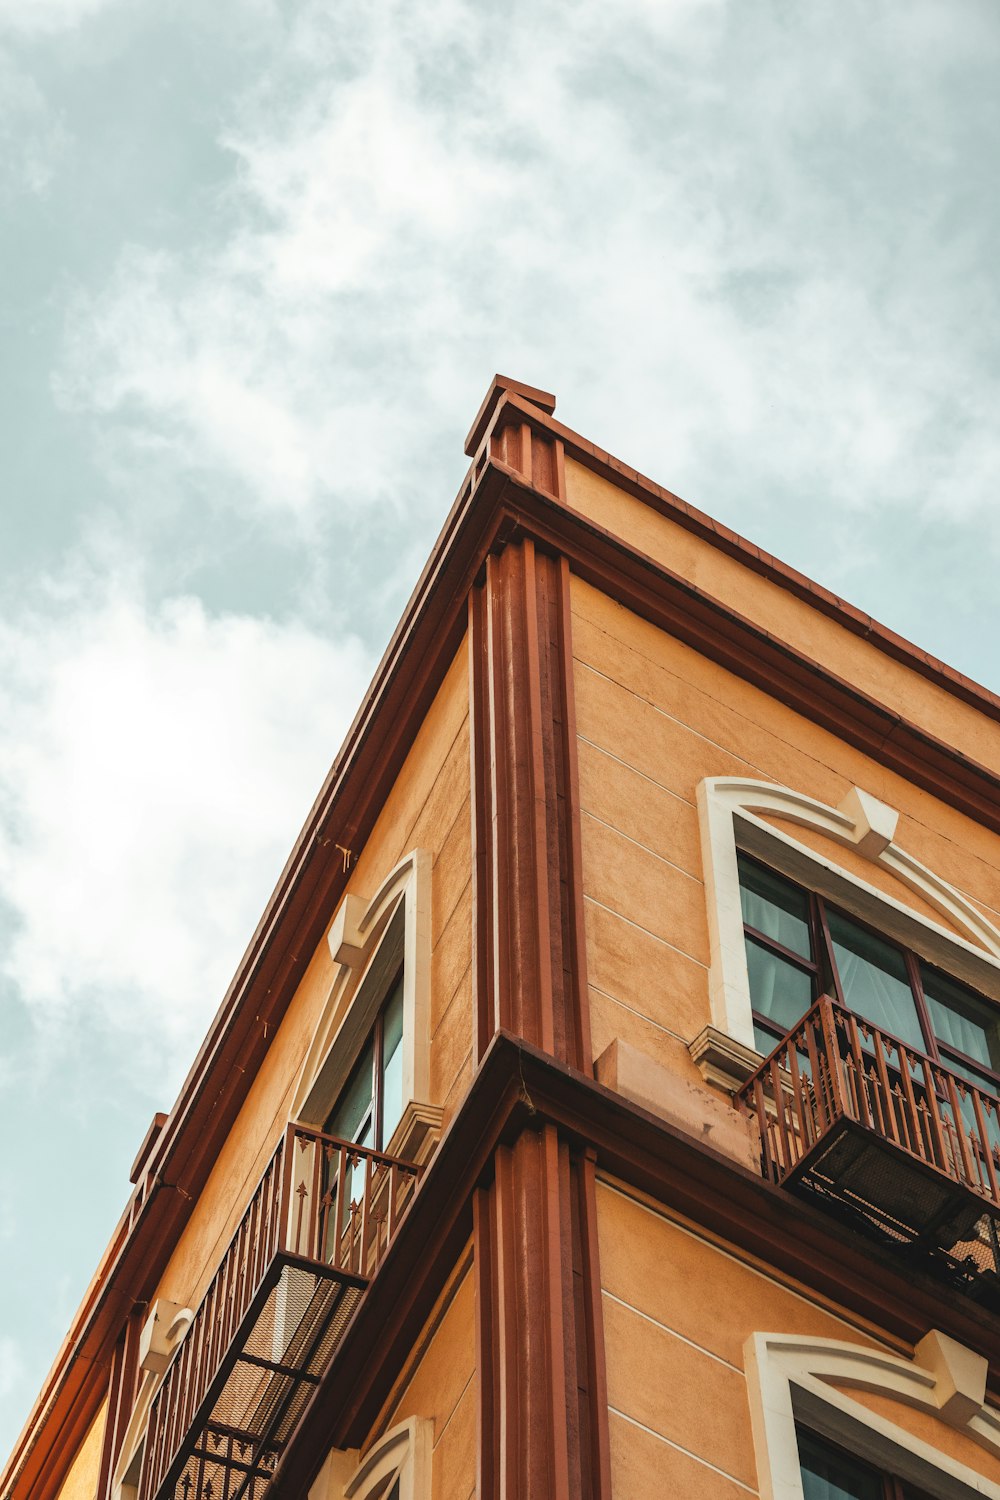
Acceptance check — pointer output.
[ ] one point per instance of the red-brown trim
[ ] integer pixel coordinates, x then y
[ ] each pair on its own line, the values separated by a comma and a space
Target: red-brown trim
519, 1089
121, 1397
146, 1149
530, 947
484, 854
500, 386
494, 502
490, 1337
723, 635
666, 503
593, 1317
528, 1440
574, 911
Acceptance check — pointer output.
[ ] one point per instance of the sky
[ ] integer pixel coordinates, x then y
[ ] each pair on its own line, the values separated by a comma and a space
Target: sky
259, 261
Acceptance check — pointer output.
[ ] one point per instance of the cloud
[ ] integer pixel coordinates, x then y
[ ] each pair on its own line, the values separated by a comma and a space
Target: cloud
155, 766
32, 138
44, 17
698, 203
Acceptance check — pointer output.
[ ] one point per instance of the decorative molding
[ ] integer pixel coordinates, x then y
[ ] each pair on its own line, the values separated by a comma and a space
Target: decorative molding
792, 1377
160, 1338
417, 1133
517, 1090
402, 1454
492, 506
366, 940
161, 1333
536, 1268
732, 812
530, 956
721, 1060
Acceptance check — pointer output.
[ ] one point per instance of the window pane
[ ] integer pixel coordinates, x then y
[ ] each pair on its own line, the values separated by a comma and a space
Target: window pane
962, 1020
352, 1112
392, 1064
774, 907
778, 990
828, 1474
764, 1041
873, 979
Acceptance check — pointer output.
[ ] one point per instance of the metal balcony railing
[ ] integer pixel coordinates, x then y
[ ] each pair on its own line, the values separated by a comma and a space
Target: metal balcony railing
848, 1111
309, 1242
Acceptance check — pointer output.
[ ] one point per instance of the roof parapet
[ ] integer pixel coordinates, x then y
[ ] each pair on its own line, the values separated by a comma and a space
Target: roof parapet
502, 384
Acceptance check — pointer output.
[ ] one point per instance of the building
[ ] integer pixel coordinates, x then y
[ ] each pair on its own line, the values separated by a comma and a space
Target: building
606, 1104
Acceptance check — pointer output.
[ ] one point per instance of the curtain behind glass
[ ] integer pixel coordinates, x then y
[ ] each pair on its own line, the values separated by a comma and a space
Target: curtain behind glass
351, 1116
778, 989
874, 980
774, 907
962, 1020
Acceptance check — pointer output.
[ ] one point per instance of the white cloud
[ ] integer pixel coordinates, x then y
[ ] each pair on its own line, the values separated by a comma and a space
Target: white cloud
32, 138
154, 769
662, 199
34, 17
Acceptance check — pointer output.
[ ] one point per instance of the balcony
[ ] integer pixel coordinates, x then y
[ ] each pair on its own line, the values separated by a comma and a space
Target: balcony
310, 1241
885, 1137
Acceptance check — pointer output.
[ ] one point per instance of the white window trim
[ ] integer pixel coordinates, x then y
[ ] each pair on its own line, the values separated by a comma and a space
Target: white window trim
403, 1454
793, 1378
355, 936
178, 1320
732, 812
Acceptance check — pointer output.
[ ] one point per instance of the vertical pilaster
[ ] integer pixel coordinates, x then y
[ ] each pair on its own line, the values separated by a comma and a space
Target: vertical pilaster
122, 1388
530, 963
543, 1401
543, 1426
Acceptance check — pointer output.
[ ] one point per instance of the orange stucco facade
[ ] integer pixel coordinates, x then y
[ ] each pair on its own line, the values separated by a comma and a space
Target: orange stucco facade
595, 1287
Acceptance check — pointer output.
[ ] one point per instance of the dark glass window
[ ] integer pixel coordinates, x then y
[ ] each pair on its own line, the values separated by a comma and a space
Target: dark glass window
371, 1102
369, 1108
873, 979
828, 1473
798, 947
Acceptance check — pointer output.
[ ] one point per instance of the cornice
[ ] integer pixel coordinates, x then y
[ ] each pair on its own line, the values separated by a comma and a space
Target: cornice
518, 1087
496, 502
519, 406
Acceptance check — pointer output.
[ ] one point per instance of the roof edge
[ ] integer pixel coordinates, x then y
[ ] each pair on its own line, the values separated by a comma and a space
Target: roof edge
666, 503
269, 964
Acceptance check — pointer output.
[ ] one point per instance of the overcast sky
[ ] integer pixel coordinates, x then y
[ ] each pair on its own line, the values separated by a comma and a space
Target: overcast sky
258, 263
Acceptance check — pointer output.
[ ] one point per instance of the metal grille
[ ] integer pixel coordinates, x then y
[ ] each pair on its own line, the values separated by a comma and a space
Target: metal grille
892, 1138
309, 1242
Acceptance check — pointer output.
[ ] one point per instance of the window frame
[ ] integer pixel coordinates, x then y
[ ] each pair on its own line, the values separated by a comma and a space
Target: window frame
402, 1456
376, 1109
891, 1485
826, 976
759, 818
369, 941
803, 1379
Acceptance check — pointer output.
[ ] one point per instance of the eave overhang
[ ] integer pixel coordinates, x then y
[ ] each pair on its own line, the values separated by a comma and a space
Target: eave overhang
496, 503
519, 1087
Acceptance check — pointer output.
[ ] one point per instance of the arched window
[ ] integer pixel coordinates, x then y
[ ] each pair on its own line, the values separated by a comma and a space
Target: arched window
813, 1441
367, 1074
786, 923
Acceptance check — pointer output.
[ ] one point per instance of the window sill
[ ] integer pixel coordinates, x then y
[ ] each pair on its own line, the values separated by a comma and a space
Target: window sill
721, 1060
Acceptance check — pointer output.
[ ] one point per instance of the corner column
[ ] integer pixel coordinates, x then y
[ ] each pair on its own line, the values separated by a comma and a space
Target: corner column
530, 962
543, 1426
